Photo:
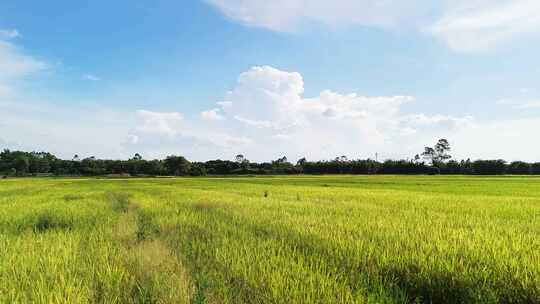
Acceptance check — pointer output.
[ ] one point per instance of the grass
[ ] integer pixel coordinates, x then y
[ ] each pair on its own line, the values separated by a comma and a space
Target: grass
327, 239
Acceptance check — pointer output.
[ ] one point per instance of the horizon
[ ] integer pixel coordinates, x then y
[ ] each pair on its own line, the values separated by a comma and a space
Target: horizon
419, 158
216, 78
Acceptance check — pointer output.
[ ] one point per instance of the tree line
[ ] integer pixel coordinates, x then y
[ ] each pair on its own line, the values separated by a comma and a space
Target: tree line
433, 160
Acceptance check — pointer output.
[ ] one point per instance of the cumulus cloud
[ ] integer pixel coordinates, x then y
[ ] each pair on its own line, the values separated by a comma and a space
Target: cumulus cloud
268, 107
157, 134
266, 116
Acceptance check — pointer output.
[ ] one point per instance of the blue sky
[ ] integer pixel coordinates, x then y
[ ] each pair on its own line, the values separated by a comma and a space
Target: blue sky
211, 79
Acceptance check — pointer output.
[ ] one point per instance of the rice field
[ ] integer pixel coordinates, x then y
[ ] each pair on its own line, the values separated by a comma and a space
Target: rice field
321, 239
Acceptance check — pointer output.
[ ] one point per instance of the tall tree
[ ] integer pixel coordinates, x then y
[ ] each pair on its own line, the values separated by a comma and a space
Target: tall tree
429, 154
442, 147
438, 154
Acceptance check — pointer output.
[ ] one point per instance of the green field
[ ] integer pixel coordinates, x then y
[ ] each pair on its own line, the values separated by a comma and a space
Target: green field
331, 239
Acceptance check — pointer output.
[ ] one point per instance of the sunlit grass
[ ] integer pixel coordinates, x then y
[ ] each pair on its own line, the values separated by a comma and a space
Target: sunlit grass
329, 239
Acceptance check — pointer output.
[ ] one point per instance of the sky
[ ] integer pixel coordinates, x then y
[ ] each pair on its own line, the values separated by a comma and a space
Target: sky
211, 79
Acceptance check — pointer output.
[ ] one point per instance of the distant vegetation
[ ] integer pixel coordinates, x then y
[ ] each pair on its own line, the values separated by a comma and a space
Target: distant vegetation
434, 160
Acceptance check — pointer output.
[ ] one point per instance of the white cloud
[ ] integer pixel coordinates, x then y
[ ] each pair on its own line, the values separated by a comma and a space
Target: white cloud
525, 91
5, 92
43, 125
71, 129
212, 115
464, 25
482, 25
520, 103
155, 123
9, 34
446, 121
510, 139
91, 77
14, 67
132, 139
291, 15
158, 134
275, 120
531, 104
266, 115
268, 107
14, 64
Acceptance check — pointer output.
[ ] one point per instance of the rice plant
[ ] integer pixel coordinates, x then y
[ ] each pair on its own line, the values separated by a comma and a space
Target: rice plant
325, 239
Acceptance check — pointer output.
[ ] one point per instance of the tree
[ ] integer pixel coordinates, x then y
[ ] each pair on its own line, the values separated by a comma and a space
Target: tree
442, 147
282, 165
429, 154
177, 165
452, 167
535, 168
39, 165
197, 169
281, 160
466, 166
21, 164
519, 167
489, 167
342, 159
240, 158
134, 165
438, 155
153, 167
242, 162
40, 162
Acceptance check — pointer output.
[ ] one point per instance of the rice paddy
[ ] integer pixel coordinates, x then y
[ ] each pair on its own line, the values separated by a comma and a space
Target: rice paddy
305, 239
